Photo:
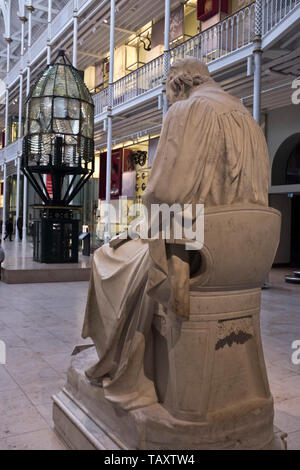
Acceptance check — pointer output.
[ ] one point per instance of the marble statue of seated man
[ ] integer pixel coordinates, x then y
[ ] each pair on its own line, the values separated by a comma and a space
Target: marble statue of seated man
211, 152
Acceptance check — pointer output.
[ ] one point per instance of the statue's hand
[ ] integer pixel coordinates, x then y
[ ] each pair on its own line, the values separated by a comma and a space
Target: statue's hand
116, 241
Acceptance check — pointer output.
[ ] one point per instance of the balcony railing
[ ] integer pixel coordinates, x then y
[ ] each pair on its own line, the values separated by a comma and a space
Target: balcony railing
132, 85
230, 35
227, 36
275, 11
11, 152
138, 82
100, 101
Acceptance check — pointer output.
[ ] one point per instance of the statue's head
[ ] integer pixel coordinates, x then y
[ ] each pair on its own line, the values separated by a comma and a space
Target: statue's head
184, 76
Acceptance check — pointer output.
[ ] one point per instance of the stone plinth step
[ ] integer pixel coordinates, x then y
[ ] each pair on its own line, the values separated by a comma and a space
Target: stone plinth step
60, 274
85, 419
20, 268
77, 429
297, 274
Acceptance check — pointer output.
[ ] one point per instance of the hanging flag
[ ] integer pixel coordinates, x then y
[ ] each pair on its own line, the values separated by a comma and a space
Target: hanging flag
208, 8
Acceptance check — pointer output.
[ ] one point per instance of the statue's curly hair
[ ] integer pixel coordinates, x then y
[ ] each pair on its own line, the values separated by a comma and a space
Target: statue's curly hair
185, 75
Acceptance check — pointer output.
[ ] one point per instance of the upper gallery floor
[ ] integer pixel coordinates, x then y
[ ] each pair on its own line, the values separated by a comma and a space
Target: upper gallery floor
224, 42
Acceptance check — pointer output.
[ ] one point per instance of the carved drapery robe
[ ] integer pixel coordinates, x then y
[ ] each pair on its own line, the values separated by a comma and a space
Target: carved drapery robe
212, 152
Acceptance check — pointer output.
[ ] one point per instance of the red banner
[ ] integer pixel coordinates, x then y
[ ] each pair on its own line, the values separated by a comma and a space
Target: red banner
208, 8
116, 174
49, 186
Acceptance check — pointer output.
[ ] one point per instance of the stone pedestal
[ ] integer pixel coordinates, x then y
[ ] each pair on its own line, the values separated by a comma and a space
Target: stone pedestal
84, 419
208, 372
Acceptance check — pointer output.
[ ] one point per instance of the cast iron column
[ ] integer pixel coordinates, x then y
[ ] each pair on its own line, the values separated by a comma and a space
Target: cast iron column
257, 52
49, 32
4, 164
75, 33
166, 52
23, 20
4, 200
109, 120
25, 181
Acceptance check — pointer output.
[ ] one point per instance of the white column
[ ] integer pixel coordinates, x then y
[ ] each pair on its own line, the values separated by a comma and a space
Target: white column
23, 19
25, 181
6, 115
8, 40
257, 52
74, 58
19, 155
75, 33
30, 10
8, 55
4, 165
49, 36
4, 201
109, 120
8, 36
166, 52
18, 193
49, 32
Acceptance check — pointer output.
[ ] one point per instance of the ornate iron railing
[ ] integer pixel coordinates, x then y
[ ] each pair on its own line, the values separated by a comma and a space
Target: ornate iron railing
138, 82
275, 11
11, 152
222, 39
229, 35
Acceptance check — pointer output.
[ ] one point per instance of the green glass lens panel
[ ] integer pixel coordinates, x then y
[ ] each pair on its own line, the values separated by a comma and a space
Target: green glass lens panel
49, 87
35, 127
73, 108
60, 88
70, 140
72, 87
39, 88
46, 114
35, 107
87, 120
66, 126
60, 108
83, 91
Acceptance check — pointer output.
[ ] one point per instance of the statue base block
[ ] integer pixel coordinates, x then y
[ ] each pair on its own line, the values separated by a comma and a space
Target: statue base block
85, 420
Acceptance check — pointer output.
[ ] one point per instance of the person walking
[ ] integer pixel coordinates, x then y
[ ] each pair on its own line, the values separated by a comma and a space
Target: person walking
20, 226
9, 228
2, 257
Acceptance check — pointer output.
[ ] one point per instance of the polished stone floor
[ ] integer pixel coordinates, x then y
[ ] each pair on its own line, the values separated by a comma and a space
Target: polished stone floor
41, 323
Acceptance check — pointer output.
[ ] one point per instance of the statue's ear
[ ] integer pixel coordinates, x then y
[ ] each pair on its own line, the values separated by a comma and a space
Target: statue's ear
186, 79
175, 86
198, 80
180, 84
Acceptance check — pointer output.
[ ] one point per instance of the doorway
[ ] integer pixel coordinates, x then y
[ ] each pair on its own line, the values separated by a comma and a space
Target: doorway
295, 231
286, 172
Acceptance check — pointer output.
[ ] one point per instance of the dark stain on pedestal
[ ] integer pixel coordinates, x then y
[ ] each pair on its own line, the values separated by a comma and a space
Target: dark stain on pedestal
238, 338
